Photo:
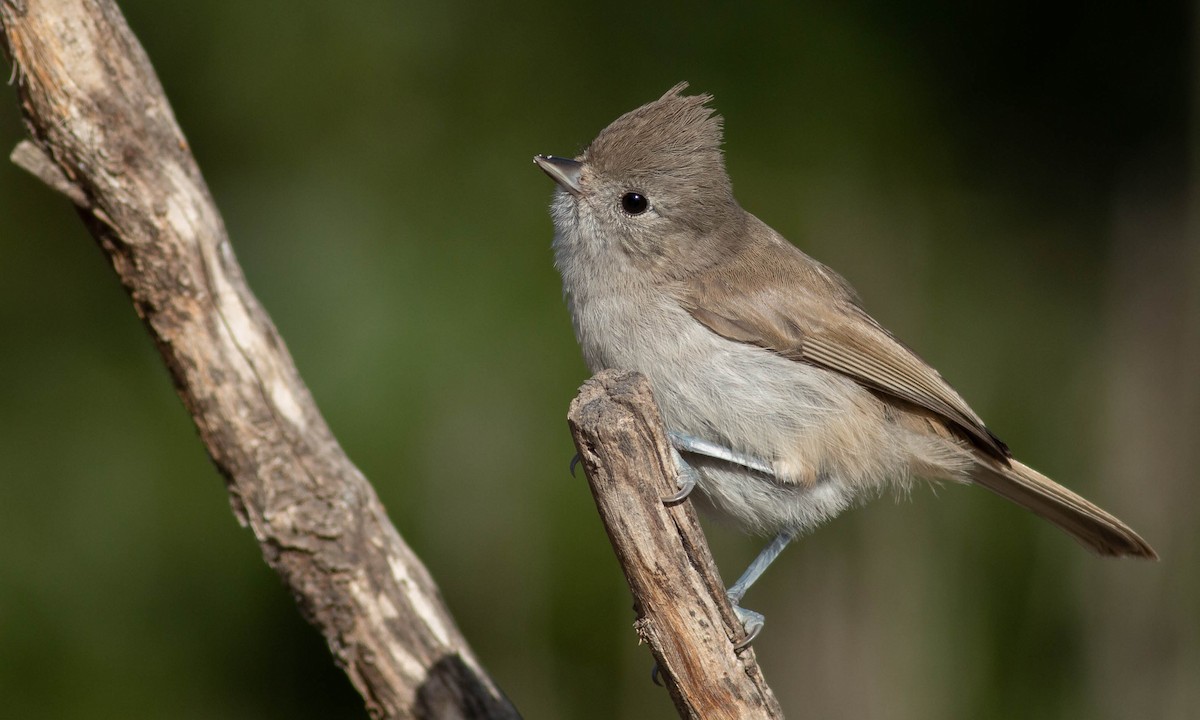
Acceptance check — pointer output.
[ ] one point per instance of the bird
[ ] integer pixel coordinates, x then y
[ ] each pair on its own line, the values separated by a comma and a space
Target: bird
784, 400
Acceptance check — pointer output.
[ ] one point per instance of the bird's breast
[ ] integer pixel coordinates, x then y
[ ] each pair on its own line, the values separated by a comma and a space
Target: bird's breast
824, 435
706, 385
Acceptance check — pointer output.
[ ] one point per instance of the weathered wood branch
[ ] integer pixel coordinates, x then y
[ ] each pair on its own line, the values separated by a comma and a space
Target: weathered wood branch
104, 135
682, 611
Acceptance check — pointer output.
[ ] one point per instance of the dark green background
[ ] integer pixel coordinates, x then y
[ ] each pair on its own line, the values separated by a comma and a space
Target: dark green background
1012, 187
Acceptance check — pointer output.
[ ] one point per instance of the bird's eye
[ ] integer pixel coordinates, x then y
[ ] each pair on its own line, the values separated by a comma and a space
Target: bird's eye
634, 203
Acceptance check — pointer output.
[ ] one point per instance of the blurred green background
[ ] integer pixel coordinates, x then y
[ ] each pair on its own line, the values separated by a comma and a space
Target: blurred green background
1012, 187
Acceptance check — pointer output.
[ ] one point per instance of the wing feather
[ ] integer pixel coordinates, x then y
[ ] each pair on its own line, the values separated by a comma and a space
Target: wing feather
802, 310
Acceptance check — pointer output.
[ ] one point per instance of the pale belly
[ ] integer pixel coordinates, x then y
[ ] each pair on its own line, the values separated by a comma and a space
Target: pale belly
825, 436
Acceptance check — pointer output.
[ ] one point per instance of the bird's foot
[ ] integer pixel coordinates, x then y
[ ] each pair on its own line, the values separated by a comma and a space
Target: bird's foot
752, 624
688, 476
687, 479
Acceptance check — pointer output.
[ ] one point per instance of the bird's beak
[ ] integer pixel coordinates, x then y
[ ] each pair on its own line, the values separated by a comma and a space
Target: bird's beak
563, 171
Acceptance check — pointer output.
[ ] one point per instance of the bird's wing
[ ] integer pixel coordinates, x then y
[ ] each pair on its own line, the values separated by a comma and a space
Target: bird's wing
802, 310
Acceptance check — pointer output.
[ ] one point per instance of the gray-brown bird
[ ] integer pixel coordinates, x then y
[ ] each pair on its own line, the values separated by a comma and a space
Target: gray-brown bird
788, 402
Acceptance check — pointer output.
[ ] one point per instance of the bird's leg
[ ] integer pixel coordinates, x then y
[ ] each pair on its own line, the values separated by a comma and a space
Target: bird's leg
698, 446
692, 444
752, 621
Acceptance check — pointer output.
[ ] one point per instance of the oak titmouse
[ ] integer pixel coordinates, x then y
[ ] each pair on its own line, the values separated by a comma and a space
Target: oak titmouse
788, 402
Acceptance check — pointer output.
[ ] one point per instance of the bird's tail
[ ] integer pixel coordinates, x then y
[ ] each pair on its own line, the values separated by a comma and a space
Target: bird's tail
1092, 527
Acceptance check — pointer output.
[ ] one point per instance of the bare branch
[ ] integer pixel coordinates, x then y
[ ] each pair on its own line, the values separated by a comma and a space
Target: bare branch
104, 135
682, 611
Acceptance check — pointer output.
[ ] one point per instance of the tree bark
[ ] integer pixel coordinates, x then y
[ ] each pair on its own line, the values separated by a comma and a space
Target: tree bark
104, 135
683, 614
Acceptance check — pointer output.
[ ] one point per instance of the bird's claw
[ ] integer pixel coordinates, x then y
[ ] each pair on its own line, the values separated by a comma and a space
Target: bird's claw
687, 479
574, 461
654, 673
752, 625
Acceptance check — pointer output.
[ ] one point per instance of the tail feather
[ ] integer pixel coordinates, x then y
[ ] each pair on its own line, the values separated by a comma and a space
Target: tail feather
1094, 528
